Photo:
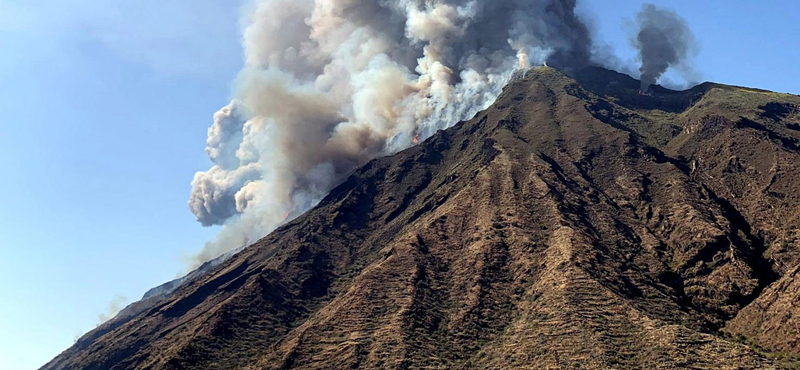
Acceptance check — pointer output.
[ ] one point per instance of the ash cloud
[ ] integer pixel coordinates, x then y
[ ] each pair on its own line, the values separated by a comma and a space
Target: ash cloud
664, 40
331, 84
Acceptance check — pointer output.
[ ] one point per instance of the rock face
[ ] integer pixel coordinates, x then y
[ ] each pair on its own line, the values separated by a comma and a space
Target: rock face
574, 224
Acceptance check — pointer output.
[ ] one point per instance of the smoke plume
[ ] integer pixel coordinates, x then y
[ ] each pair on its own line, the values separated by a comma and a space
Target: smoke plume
114, 307
664, 40
331, 84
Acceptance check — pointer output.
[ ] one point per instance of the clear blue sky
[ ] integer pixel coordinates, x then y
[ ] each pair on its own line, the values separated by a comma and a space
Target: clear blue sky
103, 115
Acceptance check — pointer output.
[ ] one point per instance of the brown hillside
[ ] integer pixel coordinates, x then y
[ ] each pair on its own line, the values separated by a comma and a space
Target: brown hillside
574, 224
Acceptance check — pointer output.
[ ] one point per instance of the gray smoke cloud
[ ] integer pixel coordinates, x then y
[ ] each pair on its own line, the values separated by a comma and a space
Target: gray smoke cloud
331, 84
664, 40
114, 307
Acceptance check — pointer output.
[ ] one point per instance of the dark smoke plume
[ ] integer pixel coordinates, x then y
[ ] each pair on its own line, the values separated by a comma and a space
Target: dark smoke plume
664, 40
331, 84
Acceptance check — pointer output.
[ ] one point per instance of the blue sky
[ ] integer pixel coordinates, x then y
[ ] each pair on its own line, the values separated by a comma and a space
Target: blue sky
103, 116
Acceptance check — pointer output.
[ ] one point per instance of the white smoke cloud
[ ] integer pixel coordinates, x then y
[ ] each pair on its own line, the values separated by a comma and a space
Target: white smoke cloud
331, 84
114, 307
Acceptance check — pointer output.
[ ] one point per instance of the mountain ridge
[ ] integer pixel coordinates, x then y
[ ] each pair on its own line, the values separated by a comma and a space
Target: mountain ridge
576, 222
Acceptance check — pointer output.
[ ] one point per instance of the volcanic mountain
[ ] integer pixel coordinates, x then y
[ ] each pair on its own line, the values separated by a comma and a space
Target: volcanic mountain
574, 224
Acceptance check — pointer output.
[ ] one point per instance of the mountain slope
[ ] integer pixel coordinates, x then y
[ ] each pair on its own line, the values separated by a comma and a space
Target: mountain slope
574, 224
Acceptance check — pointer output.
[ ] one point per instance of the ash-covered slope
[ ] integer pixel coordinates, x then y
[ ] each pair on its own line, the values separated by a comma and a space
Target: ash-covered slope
574, 224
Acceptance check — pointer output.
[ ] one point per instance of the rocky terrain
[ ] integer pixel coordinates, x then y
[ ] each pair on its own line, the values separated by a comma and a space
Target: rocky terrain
574, 224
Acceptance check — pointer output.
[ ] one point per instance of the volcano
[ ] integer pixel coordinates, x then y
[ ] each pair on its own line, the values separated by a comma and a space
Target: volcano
576, 223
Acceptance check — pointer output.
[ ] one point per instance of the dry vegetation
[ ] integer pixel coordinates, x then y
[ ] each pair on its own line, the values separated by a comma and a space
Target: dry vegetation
574, 224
